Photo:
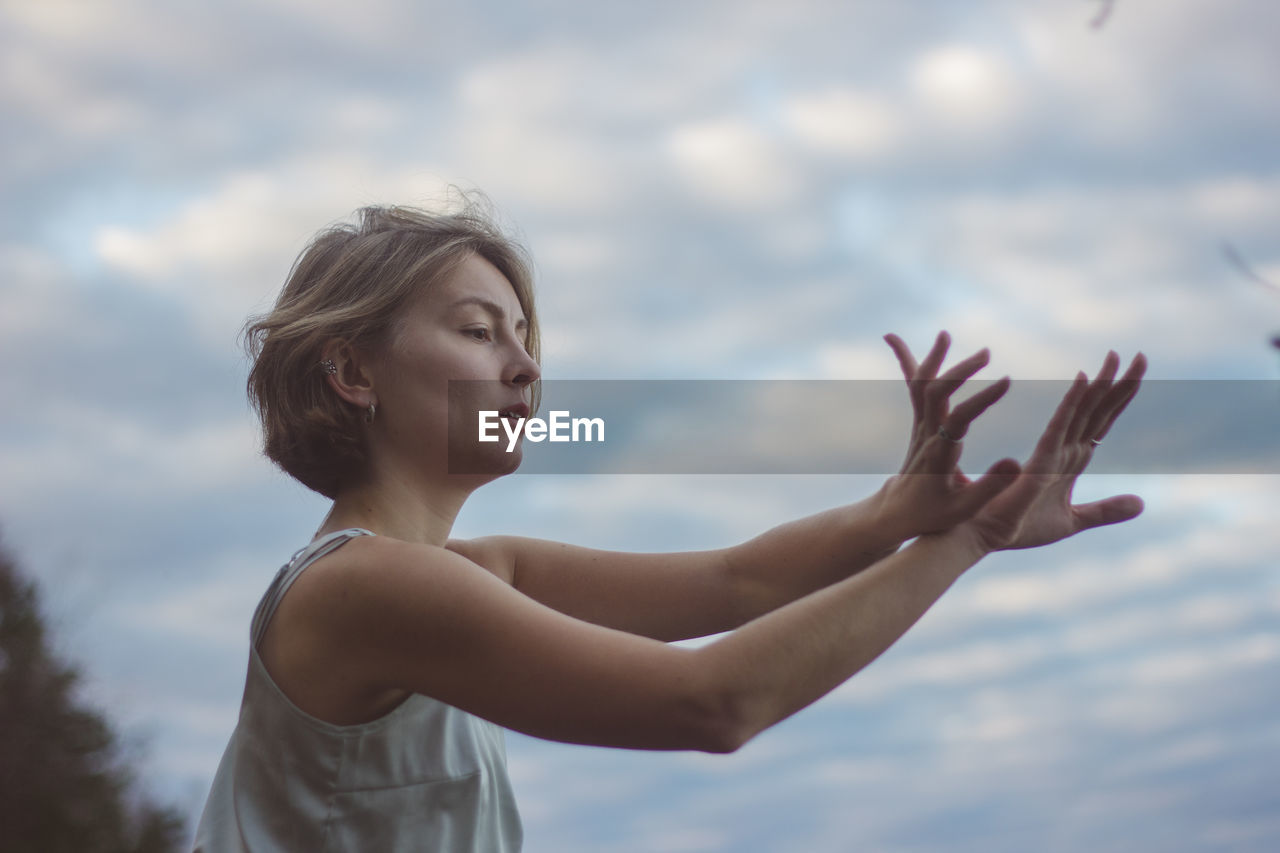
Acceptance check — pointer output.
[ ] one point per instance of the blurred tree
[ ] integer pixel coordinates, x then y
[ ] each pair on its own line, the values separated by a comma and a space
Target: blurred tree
63, 782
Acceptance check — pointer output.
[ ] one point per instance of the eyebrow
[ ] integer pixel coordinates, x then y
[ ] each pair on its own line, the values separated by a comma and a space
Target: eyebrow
492, 307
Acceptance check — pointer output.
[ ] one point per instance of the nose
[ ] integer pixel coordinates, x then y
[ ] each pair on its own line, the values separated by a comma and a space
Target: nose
523, 370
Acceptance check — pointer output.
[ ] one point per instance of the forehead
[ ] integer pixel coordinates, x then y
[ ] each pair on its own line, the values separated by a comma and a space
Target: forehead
473, 283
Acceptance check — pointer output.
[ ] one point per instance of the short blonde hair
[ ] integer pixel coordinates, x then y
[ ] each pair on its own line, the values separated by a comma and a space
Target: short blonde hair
352, 282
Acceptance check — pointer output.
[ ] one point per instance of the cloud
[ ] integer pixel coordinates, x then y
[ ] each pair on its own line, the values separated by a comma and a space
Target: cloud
235, 227
1146, 569
1186, 665
966, 88
845, 123
734, 164
210, 611
139, 459
36, 295
225, 254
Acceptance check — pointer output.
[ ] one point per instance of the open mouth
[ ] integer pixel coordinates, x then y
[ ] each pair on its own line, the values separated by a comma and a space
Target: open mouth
514, 414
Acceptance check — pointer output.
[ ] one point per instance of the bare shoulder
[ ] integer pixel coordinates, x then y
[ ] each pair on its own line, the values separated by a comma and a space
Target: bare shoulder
388, 618
492, 553
375, 583
361, 576
316, 648
366, 559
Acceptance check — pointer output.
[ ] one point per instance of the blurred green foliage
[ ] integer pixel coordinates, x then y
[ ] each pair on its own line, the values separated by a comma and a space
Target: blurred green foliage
64, 784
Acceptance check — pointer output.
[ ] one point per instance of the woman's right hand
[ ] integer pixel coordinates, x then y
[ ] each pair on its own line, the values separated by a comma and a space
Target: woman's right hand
1036, 509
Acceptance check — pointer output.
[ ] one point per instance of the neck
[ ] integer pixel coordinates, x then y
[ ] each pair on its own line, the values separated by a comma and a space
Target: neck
400, 508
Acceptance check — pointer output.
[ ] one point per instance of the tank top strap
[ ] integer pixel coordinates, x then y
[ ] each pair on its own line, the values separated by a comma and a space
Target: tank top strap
290, 571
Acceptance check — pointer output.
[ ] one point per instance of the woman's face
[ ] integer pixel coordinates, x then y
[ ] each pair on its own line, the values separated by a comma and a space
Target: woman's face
468, 327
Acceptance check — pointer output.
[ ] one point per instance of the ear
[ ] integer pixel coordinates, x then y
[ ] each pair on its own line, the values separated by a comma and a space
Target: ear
353, 379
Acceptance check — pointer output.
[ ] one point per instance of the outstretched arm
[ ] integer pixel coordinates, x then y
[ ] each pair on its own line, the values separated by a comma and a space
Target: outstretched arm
675, 596
386, 615
681, 595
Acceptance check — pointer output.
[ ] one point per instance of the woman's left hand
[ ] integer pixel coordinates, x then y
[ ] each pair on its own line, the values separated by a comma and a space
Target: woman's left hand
1037, 510
931, 494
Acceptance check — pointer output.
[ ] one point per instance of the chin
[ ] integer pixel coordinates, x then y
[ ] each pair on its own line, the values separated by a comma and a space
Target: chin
487, 464
511, 463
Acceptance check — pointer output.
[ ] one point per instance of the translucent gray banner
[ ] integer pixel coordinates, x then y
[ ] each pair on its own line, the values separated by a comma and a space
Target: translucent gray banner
853, 427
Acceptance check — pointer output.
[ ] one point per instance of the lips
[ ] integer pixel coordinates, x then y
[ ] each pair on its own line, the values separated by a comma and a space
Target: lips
515, 412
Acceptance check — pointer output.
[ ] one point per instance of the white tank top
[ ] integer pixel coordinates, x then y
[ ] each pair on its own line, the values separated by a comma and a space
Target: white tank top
424, 777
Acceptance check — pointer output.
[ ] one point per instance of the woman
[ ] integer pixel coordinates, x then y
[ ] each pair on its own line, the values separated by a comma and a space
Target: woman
386, 655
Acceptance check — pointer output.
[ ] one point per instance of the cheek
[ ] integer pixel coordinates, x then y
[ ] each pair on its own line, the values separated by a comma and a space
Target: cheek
465, 400
420, 385
443, 357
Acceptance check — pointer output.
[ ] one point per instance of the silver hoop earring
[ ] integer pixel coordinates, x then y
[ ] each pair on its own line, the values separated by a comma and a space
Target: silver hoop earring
329, 367
370, 413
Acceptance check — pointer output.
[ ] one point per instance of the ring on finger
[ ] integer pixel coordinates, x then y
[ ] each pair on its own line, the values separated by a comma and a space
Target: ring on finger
942, 431
1095, 441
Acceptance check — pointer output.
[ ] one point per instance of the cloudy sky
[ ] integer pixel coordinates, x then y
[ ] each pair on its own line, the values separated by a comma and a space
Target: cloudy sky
711, 190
